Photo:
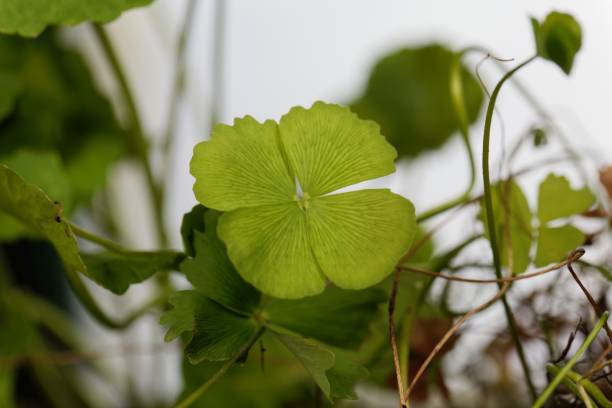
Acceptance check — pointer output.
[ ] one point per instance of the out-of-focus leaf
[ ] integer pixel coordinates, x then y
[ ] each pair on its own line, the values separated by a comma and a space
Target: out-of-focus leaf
217, 333
557, 199
539, 137
338, 317
408, 94
30, 17
211, 271
57, 107
192, 221
7, 383
334, 372
556, 243
116, 272
558, 39
30, 205
511, 208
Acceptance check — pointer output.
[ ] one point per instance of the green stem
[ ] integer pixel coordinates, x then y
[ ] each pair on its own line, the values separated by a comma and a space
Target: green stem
458, 101
550, 388
179, 77
218, 60
490, 220
138, 142
103, 242
194, 396
573, 378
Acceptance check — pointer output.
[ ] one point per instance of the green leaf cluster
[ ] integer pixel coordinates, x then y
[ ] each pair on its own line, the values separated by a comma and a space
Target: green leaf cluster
555, 238
408, 94
223, 313
286, 233
558, 39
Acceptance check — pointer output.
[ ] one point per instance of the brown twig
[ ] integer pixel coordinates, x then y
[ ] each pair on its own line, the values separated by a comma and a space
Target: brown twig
574, 256
393, 338
592, 301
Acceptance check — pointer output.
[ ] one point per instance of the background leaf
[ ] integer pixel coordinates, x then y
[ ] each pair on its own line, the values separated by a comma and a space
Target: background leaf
557, 199
337, 317
556, 243
558, 39
408, 95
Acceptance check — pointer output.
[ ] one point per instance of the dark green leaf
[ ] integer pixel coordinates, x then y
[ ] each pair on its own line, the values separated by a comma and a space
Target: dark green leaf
558, 39
212, 273
34, 208
333, 371
408, 94
116, 272
192, 221
556, 243
216, 333
30, 17
510, 208
557, 199
337, 317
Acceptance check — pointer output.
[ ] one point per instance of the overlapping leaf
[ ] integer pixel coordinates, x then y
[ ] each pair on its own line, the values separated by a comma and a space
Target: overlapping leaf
30, 17
408, 94
284, 232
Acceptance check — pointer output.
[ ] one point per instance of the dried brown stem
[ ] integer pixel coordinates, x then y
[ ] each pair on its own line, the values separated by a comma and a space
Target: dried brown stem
393, 338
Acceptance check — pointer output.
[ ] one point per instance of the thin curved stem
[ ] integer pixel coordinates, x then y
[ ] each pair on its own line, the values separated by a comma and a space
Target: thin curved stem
458, 102
138, 142
103, 242
566, 368
194, 396
490, 220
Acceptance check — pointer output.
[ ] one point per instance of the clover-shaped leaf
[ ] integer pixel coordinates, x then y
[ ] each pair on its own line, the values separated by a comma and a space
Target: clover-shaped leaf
285, 233
557, 200
558, 39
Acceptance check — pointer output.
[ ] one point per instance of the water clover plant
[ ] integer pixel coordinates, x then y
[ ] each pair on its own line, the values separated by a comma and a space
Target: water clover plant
286, 227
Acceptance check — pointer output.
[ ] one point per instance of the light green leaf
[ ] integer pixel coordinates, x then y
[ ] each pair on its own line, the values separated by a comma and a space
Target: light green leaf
30, 17
338, 317
270, 249
192, 221
511, 208
116, 272
408, 95
358, 237
344, 375
556, 243
34, 208
557, 199
212, 273
316, 359
284, 239
558, 39
328, 148
217, 334
241, 166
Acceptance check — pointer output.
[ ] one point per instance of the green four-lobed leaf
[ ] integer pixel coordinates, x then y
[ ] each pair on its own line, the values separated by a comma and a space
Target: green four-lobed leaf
285, 232
558, 39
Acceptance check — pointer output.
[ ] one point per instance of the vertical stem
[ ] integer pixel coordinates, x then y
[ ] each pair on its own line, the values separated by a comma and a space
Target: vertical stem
218, 60
491, 225
138, 142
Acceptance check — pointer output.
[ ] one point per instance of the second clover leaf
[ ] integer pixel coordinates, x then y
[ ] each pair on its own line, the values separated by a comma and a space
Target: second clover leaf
285, 232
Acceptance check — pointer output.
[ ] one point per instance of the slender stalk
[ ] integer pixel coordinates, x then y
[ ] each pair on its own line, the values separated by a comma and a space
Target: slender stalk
138, 141
103, 242
193, 397
550, 388
179, 78
491, 225
393, 339
218, 61
458, 101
